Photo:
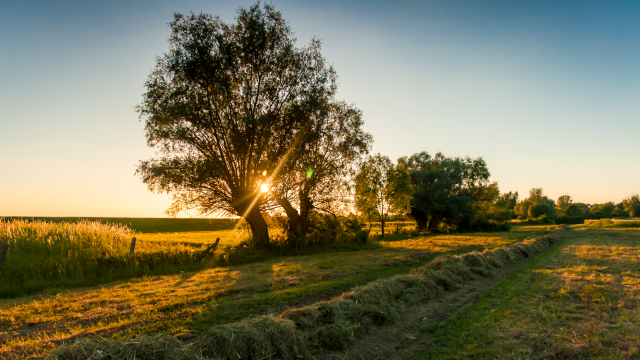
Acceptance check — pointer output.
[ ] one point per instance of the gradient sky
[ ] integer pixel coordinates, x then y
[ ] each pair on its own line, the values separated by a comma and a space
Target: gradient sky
547, 92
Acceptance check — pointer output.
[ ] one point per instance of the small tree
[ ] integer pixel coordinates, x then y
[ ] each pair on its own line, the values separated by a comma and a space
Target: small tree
373, 188
536, 205
563, 202
451, 192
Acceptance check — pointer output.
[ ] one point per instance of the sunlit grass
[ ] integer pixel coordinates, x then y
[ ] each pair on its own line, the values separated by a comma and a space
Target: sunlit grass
193, 301
45, 255
578, 301
145, 225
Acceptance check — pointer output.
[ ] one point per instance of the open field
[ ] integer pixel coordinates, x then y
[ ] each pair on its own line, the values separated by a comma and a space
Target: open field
145, 225
193, 301
391, 227
227, 237
629, 223
579, 301
44, 255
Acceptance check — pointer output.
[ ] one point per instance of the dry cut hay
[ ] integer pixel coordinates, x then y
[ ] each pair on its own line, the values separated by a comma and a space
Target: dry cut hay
336, 323
160, 347
332, 324
262, 337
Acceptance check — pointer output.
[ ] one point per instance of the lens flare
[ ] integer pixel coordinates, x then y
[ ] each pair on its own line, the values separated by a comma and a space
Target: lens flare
264, 188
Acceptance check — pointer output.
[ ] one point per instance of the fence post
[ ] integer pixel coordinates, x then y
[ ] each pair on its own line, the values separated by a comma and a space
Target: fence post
3, 254
212, 247
133, 246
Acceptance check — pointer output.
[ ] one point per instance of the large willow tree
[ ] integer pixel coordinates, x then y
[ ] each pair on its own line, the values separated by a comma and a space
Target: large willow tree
227, 108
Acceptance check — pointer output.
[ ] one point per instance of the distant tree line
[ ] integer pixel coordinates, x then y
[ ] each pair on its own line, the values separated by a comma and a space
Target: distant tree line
440, 193
576, 213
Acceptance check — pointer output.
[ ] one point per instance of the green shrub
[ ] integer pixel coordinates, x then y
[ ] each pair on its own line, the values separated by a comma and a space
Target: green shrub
632, 205
601, 222
575, 219
541, 220
484, 225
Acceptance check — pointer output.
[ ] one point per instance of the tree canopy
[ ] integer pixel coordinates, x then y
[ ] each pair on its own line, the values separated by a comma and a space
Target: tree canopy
452, 192
632, 205
536, 205
373, 188
320, 176
226, 107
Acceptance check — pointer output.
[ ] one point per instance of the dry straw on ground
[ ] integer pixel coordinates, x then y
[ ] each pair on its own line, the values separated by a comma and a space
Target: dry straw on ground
332, 324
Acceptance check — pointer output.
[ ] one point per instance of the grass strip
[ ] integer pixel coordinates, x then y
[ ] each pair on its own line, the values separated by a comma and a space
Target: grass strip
332, 324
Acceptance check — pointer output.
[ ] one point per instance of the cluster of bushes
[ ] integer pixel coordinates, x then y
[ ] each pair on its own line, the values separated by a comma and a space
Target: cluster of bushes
324, 231
540, 220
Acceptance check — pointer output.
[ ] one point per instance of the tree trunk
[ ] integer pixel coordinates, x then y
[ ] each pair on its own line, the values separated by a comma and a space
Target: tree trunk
382, 224
295, 220
259, 228
306, 205
298, 221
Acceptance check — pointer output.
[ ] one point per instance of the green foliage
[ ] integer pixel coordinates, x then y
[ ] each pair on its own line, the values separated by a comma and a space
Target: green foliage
564, 201
541, 220
320, 174
571, 219
227, 104
326, 231
508, 200
572, 210
375, 190
455, 193
535, 206
607, 210
632, 205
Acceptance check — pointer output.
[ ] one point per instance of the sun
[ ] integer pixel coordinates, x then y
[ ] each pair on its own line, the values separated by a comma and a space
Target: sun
264, 188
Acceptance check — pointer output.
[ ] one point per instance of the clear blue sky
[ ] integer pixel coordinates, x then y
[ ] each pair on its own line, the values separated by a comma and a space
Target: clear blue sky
547, 92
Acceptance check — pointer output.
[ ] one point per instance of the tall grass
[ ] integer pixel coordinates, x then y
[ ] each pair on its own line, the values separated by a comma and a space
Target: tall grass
45, 255
147, 225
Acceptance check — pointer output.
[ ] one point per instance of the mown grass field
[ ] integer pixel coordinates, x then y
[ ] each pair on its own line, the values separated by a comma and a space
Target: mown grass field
578, 301
193, 301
